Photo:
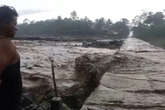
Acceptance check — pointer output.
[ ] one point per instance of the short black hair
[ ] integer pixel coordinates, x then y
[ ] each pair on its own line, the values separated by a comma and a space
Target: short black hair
6, 14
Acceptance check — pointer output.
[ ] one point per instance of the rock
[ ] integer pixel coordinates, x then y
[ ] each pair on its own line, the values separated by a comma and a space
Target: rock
89, 68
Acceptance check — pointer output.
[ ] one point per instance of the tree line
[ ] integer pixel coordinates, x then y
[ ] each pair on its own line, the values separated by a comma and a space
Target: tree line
149, 26
74, 26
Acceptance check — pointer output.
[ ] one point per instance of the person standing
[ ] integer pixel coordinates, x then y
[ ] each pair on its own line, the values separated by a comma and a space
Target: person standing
10, 76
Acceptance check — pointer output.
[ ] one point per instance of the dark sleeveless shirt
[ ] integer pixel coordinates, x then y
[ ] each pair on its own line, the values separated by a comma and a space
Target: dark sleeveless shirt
11, 88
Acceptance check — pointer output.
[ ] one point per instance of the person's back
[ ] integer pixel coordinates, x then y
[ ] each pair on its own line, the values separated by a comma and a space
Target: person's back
10, 77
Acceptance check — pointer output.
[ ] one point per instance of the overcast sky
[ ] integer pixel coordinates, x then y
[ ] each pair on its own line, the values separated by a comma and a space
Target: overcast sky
113, 9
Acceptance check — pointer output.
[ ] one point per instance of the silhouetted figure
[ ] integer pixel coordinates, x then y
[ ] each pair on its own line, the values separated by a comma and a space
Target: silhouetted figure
10, 77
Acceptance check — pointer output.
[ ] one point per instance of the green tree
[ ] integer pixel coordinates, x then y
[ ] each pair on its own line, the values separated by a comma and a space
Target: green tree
150, 27
73, 15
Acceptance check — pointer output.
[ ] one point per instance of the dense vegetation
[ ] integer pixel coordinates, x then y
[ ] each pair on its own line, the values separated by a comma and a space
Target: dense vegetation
148, 26
75, 26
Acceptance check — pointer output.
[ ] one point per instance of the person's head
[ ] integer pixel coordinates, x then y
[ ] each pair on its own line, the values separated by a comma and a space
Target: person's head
8, 21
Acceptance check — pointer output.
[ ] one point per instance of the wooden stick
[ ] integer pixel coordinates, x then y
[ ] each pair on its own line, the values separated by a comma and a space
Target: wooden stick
54, 78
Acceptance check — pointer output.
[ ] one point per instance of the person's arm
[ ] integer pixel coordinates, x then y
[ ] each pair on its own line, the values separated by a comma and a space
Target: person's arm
3, 64
7, 57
